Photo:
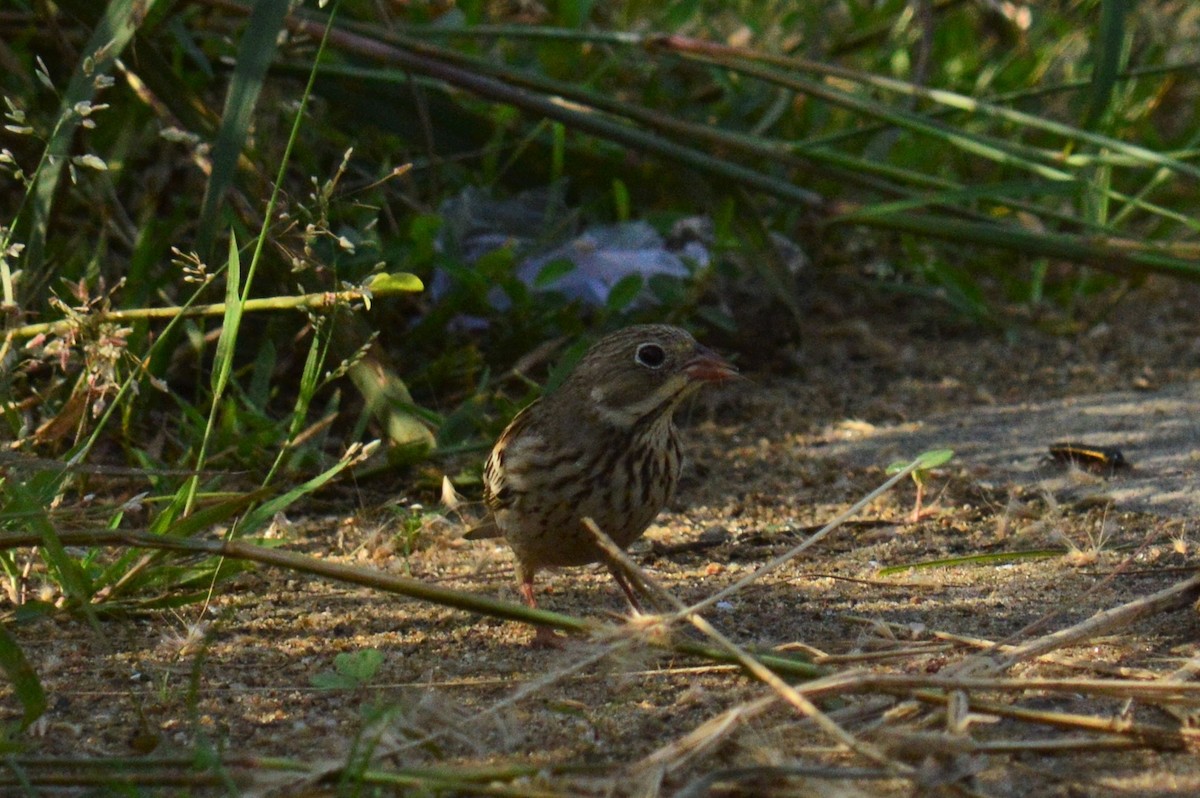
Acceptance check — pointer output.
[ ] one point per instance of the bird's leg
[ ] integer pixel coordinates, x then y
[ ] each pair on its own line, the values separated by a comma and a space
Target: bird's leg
527, 592
544, 637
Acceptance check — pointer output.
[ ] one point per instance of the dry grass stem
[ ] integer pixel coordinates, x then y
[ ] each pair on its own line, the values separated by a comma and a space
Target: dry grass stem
921, 650
866, 681
1104, 622
751, 777
650, 771
764, 674
1053, 658
1143, 734
789, 555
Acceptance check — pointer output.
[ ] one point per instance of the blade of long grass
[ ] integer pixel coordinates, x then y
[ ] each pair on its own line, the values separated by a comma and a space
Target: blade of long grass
1120, 256
1108, 52
966, 194
994, 559
848, 169
588, 122
30, 501
390, 583
125, 574
112, 34
1094, 250
230, 324
22, 677
1003, 152
682, 130
223, 360
255, 53
1161, 177
738, 58
1045, 164
267, 510
314, 361
236, 292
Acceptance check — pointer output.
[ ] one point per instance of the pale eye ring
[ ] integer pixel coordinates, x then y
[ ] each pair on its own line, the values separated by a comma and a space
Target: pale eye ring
651, 356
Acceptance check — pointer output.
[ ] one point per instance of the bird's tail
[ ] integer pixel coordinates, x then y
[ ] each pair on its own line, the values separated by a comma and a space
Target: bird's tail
487, 529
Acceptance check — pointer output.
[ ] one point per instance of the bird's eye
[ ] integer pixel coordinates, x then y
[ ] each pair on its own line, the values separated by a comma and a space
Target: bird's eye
650, 355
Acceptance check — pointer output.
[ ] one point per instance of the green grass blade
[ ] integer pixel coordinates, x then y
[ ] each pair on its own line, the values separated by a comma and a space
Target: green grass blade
310, 381
1118, 256
255, 53
998, 558
230, 324
133, 569
262, 514
22, 677
113, 33
741, 61
28, 502
1108, 51
223, 361
586, 121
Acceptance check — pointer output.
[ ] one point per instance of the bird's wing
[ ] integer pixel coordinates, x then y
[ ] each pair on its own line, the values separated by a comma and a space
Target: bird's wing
496, 490
494, 481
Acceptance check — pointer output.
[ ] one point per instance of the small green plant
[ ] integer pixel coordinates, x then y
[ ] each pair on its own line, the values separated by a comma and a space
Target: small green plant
411, 523
928, 461
352, 670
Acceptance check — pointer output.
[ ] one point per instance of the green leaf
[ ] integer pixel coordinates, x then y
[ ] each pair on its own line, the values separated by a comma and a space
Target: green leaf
423, 232
331, 680
223, 360
679, 14
395, 283
359, 665
215, 514
558, 132
621, 295
566, 363
24, 680
574, 13
935, 458
621, 199
925, 461
559, 267
351, 670
122, 578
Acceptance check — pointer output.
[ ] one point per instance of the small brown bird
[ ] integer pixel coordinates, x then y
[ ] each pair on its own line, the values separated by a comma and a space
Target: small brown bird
602, 446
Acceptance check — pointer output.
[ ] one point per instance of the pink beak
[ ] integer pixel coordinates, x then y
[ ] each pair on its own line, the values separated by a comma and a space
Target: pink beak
707, 366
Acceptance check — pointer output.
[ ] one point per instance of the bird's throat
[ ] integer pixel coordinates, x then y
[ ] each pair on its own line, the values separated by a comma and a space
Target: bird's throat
659, 404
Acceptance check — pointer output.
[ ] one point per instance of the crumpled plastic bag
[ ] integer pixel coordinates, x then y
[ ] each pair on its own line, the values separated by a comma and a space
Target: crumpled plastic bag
538, 225
602, 257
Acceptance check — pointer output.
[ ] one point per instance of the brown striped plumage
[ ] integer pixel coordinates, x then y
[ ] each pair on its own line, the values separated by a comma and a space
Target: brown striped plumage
603, 446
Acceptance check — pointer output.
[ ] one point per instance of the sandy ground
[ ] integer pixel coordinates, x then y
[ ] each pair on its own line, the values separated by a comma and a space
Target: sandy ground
771, 460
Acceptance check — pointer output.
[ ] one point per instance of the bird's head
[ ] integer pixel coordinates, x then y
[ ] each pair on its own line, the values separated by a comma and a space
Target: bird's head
644, 370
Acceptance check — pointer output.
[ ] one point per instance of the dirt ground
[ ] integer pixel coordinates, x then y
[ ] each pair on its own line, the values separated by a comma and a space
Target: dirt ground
614, 716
